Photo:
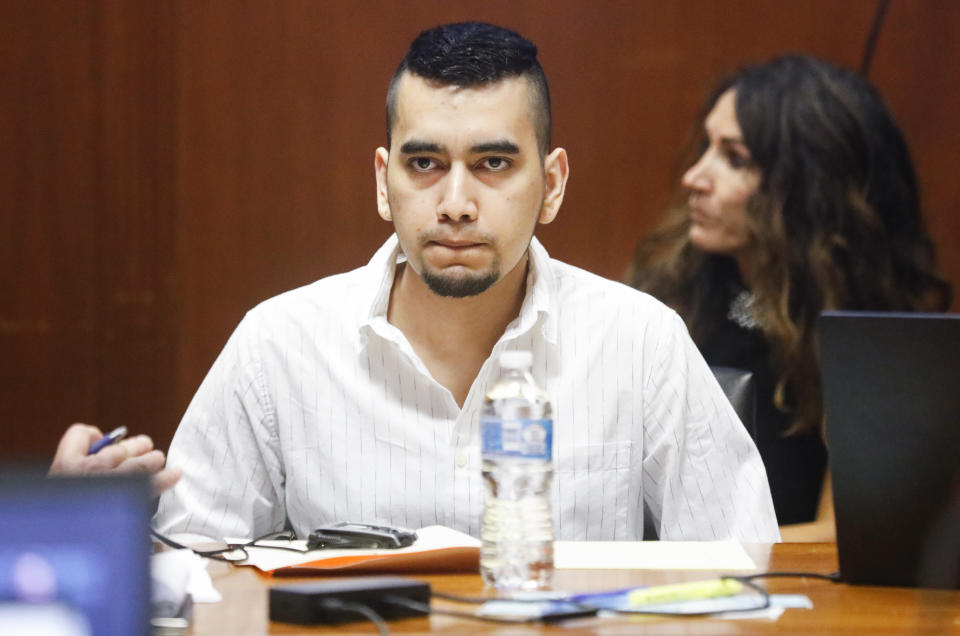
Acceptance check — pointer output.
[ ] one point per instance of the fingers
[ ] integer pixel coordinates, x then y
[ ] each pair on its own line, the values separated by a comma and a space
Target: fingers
136, 446
115, 455
132, 455
77, 439
149, 462
166, 479
73, 448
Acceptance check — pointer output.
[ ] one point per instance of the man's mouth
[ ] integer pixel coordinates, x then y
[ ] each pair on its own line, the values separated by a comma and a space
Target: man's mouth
455, 244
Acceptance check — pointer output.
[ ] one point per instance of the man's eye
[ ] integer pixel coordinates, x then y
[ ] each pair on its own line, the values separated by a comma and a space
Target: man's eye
496, 164
422, 164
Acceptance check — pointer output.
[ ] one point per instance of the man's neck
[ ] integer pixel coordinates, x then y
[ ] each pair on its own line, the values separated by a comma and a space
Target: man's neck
454, 336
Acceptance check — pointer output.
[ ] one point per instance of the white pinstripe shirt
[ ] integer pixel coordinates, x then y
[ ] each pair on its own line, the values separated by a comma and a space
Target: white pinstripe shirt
318, 410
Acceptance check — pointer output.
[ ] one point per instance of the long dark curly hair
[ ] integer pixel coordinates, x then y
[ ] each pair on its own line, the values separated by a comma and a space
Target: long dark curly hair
834, 224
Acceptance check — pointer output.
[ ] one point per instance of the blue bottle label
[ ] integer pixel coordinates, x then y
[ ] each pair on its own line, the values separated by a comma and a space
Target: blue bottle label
530, 439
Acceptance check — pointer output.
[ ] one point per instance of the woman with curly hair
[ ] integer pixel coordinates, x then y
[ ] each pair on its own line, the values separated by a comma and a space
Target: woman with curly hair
803, 198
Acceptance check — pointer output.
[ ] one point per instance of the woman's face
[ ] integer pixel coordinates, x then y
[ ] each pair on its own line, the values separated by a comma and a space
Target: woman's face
720, 183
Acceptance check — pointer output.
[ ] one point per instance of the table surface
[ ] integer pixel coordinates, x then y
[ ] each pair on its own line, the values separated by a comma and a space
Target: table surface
838, 608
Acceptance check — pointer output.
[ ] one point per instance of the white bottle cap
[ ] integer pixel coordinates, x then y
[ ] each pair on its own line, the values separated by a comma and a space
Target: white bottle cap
516, 360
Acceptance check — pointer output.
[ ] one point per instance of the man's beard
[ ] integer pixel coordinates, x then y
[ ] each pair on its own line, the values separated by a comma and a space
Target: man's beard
461, 286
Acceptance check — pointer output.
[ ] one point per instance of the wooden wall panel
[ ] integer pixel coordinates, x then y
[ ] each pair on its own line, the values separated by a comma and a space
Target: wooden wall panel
916, 68
48, 175
137, 281
168, 165
86, 234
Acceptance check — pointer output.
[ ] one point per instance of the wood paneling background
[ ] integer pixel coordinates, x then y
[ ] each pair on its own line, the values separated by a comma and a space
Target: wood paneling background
166, 165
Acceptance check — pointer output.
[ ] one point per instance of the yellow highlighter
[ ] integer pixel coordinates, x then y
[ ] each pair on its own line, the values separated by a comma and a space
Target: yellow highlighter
684, 591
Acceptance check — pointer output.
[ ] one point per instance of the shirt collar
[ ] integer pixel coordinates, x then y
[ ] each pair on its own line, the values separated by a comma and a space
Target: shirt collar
383, 268
539, 304
540, 301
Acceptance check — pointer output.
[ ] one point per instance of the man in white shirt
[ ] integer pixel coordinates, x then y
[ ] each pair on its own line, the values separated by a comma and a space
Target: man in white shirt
358, 397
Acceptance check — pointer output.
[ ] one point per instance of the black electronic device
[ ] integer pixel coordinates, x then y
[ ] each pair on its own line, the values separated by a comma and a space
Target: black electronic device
360, 535
892, 405
329, 602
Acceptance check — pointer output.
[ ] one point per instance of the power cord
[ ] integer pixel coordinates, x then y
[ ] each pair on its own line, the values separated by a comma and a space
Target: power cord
833, 577
429, 609
359, 608
745, 580
587, 607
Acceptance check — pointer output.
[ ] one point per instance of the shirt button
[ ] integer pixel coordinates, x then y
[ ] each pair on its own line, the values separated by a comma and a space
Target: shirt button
461, 460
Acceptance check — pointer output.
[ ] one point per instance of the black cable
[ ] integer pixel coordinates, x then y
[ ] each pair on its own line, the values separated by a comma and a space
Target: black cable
746, 580
477, 600
834, 577
426, 608
586, 607
871, 44
358, 608
472, 600
429, 609
239, 548
216, 555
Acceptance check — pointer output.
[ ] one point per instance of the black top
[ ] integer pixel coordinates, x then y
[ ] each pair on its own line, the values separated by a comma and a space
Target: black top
795, 464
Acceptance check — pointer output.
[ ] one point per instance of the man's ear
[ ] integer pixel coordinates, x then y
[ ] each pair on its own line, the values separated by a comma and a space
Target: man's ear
380, 159
556, 169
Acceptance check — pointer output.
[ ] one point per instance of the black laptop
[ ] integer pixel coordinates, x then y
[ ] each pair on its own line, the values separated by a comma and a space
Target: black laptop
74, 555
891, 391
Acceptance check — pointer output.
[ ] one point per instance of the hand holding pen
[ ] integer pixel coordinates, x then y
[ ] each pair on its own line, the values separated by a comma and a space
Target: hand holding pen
113, 436
85, 450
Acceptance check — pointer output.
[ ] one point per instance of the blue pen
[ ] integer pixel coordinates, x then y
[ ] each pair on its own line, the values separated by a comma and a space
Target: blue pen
112, 437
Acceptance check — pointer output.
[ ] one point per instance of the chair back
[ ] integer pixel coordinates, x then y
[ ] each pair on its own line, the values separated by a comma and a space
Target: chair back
738, 385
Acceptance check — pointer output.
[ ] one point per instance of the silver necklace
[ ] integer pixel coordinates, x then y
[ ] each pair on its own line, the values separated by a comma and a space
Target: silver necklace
741, 310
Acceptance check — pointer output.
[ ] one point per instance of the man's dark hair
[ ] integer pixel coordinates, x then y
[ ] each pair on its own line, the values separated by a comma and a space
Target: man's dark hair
472, 54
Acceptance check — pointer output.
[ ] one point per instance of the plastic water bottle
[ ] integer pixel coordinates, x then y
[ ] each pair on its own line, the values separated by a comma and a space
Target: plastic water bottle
517, 431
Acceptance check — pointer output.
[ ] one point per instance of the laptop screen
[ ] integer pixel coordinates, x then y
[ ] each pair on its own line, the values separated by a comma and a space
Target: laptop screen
891, 390
74, 554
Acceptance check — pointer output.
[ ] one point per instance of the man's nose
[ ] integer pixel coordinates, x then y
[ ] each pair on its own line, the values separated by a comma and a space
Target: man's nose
457, 202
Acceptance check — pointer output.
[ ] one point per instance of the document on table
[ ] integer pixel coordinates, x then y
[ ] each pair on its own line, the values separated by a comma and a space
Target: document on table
443, 549
651, 555
437, 549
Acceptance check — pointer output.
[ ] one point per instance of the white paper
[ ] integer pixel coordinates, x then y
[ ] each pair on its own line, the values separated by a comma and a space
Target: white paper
182, 571
651, 555
778, 604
